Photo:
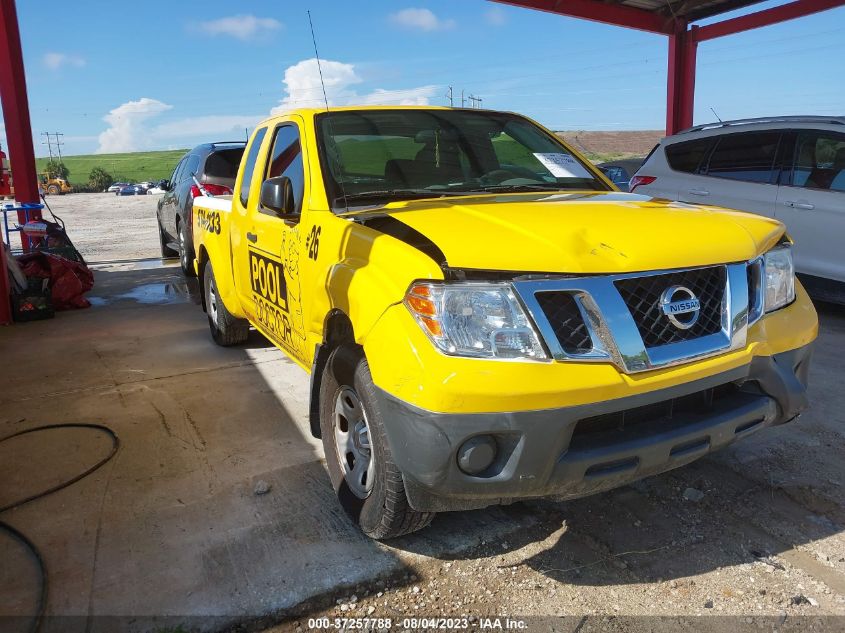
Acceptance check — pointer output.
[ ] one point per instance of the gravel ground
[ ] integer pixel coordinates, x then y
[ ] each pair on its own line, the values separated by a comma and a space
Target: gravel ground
750, 538
754, 532
106, 227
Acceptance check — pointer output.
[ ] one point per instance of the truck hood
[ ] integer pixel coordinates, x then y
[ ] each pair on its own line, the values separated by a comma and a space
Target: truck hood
582, 233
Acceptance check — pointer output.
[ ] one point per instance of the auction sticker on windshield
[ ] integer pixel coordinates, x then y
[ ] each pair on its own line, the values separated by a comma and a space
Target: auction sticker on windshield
562, 165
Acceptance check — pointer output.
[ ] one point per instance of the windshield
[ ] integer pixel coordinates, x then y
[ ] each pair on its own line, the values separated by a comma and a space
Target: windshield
375, 156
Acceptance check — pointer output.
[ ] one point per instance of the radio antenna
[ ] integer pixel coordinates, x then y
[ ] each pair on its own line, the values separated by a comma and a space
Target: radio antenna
317, 55
336, 151
716, 115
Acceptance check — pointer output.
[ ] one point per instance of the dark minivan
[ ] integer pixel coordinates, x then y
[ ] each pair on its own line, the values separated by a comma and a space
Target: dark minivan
215, 166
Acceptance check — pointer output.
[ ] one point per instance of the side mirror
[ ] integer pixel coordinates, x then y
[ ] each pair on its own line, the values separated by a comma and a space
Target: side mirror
277, 196
164, 184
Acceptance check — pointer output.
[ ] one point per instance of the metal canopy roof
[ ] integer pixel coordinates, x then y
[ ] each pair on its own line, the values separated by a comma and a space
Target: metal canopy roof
671, 17
689, 10
675, 19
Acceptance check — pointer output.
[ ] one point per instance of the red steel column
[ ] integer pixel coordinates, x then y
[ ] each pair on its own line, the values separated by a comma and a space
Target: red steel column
16, 106
5, 307
680, 89
18, 129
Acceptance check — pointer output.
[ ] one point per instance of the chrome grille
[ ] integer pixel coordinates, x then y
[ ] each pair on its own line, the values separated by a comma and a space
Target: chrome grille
642, 297
566, 320
620, 317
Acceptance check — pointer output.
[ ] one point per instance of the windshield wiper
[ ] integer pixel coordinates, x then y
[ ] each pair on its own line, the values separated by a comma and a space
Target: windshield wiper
540, 186
397, 194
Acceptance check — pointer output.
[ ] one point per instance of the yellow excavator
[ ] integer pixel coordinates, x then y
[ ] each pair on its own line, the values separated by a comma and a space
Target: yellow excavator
54, 186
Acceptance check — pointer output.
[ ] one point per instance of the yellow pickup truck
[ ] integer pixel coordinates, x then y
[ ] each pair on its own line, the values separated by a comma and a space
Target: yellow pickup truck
485, 318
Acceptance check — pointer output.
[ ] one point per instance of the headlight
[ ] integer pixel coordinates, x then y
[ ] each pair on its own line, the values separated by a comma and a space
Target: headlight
779, 278
481, 321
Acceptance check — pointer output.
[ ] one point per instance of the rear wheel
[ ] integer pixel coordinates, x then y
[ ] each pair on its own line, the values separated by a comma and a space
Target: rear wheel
53, 190
226, 329
166, 251
367, 482
186, 251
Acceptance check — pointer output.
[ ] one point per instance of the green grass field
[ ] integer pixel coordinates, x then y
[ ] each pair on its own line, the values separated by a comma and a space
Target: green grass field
133, 167
153, 166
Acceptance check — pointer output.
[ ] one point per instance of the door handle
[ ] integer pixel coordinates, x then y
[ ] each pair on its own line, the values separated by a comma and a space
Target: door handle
799, 205
252, 237
699, 192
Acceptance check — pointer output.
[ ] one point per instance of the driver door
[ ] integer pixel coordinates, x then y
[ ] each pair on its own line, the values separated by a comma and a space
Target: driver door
275, 249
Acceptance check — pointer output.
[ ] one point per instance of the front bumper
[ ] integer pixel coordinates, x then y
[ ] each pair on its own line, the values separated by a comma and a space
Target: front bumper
580, 450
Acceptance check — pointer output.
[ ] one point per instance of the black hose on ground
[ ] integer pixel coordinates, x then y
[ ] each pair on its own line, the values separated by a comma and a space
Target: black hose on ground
16, 534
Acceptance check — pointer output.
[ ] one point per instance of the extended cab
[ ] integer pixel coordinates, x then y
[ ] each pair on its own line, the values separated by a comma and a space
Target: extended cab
485, 318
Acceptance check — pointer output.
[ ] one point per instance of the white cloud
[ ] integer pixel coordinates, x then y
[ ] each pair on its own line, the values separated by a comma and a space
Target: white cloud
411, 96
242, 27
222, 127
127, 131
302, 87
421, 19
302, 84
132, 126
495, 17
55, 61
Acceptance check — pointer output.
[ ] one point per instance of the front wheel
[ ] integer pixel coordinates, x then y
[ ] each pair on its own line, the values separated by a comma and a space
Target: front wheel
367, 482
186, 252
226, 329
53, 190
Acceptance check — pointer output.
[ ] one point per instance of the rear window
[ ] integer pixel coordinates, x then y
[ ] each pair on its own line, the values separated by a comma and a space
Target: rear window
747, 157
224, 163
191, 167
687, 156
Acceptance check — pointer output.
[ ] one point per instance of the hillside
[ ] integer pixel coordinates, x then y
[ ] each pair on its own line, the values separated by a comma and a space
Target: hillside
609, 145
131, 167
140, 166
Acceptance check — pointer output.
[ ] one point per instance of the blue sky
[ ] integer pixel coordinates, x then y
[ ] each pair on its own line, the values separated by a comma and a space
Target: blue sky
120, 76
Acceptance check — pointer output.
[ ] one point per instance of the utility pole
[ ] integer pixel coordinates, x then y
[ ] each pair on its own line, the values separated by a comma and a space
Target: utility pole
59, 144
48, 143
474, 102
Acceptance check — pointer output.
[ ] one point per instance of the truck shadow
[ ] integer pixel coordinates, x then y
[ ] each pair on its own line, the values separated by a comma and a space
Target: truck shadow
216, 508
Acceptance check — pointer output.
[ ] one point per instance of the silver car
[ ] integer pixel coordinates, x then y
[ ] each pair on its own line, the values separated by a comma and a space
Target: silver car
791, 168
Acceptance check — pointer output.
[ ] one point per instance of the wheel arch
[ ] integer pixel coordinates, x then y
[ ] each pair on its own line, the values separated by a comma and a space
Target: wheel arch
337, 331
202, 260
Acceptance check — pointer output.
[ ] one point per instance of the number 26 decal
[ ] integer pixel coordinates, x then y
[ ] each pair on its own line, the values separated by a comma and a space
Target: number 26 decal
312, 242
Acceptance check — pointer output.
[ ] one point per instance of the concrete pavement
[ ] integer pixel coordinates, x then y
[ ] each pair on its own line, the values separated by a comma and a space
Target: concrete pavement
171, 526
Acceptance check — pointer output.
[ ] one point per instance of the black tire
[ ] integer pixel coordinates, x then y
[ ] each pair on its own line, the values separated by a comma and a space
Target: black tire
384, 511
186, 251
53, 190
166, 251
226, 330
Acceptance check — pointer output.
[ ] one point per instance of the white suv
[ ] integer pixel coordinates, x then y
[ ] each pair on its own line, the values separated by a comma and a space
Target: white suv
790, 168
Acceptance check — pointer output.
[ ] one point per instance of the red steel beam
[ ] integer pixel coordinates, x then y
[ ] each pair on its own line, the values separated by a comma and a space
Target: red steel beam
797, 9
680, 78
616, 14
18, 130
16, 106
